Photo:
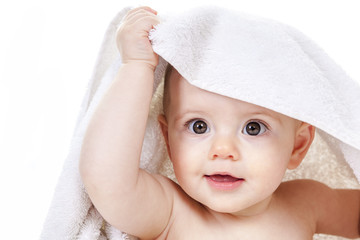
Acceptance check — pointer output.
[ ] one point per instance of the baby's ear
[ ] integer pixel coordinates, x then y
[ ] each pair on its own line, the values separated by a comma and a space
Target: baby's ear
164, 129
303, 139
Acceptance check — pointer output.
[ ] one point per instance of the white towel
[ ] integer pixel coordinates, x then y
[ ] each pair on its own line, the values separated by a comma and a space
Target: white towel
237, 55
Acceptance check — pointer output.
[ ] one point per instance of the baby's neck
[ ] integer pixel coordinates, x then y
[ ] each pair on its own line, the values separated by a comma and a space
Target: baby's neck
255, 210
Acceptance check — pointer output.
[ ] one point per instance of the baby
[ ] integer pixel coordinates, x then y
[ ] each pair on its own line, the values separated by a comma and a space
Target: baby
229, 158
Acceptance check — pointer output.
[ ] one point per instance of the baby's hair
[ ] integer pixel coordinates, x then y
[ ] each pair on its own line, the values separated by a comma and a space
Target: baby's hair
166, 97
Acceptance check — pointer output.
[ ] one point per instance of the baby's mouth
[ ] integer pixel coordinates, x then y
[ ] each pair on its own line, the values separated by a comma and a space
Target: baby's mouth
224, 182
223, 178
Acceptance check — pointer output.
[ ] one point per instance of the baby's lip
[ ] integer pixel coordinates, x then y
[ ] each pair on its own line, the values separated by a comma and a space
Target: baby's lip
223, 177
224, 181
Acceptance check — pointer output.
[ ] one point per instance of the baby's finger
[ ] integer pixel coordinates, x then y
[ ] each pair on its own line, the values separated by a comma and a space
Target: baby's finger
147, 22
149, 9
139, 9
137, 15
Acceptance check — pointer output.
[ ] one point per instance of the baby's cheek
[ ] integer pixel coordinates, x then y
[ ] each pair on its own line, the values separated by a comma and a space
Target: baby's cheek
270, 167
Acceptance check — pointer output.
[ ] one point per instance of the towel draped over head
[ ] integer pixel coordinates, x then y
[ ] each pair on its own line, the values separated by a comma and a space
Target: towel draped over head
249, 58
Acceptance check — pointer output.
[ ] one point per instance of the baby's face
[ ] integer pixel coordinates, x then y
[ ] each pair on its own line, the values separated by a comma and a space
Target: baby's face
227, 154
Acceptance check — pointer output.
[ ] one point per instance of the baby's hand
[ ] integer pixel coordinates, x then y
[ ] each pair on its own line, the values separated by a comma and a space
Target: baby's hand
132, 37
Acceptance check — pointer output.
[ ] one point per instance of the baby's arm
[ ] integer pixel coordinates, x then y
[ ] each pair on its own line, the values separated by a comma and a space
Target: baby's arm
127, 197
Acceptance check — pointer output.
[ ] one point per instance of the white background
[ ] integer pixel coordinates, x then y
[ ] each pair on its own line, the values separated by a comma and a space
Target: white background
47, 53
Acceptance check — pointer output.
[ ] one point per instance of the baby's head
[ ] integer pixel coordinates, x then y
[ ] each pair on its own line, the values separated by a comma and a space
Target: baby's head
228, 154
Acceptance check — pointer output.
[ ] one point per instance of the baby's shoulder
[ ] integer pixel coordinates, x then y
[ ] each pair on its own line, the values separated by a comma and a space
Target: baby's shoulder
331, 211
304, 197
174, 192
302, 190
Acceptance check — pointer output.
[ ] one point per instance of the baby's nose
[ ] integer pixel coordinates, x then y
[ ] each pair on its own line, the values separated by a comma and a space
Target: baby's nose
224, 148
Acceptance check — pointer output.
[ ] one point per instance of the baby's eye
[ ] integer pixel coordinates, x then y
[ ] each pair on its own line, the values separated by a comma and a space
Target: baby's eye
197, 126
254, 128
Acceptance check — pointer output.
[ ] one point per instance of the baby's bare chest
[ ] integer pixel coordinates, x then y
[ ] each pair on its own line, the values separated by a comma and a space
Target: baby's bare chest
195, 227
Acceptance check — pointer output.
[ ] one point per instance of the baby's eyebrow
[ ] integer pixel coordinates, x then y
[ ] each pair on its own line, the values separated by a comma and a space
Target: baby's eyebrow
267, 113
183, 114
